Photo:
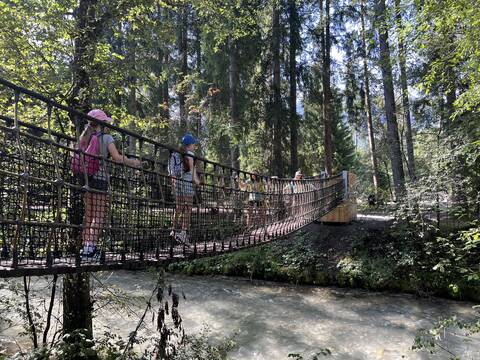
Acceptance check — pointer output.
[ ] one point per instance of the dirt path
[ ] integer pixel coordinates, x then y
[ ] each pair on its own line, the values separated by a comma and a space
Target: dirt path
338, 240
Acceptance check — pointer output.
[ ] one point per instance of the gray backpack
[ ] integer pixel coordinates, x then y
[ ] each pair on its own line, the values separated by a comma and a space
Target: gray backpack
175, 165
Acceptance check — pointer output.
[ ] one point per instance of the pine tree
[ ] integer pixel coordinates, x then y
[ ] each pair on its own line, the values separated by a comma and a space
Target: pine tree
326, 83
389, 97
402, 60
368, 100
294, 41
276, 110
344, 154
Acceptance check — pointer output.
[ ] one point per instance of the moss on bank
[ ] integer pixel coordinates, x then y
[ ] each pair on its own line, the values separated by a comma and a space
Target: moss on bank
362, 258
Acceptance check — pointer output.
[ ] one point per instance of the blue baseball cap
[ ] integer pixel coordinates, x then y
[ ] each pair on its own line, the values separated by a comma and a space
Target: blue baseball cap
189, 139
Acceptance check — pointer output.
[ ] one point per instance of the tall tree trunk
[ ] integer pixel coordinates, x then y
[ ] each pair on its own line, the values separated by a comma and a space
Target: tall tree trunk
162, 94
83, 55
77, 305
117, 45
183, 48
131, 85
131, 78
277, 98
159, 84
161, 90
368, 103
390, 111
327, 92
234, 111
198, 68
450, 92
405, 100
165, 92
293, 48
450, 99
350, 84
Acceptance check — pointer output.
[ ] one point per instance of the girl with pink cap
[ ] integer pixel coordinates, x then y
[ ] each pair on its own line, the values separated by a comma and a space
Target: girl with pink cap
96, 201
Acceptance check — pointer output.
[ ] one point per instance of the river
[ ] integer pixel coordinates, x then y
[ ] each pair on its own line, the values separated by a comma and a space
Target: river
270, 320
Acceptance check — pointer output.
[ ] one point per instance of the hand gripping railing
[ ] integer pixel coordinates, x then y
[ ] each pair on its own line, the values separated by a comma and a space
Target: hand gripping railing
45, 222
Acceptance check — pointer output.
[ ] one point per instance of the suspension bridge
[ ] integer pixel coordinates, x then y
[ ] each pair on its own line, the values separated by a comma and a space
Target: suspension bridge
42, 203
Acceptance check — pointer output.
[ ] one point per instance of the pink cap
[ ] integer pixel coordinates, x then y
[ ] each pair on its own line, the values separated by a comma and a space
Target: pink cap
100, 115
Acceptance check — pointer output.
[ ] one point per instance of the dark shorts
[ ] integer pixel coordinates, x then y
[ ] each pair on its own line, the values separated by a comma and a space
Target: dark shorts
93, 183
256, 203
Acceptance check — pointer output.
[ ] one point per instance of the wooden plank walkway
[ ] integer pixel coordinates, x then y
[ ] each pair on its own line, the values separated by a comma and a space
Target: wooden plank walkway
161, 257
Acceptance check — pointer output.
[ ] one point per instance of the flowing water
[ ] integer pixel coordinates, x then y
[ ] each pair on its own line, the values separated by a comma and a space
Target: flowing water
270, 320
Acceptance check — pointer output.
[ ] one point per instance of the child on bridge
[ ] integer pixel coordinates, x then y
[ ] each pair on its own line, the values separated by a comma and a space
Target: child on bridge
181, 167
256, 202
92, 173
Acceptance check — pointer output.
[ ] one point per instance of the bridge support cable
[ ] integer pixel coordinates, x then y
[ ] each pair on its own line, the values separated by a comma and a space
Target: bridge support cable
42, 204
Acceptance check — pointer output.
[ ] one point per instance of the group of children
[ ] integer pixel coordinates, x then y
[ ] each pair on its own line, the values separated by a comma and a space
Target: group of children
89, 168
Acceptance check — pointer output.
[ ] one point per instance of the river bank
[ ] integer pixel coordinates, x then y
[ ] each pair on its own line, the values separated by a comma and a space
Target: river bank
365, 254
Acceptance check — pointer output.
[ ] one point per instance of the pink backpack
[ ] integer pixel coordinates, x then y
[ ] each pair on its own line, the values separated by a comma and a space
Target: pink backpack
81, 162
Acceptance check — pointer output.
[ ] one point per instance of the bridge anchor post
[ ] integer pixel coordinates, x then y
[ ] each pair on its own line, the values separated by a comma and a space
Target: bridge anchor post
346, 211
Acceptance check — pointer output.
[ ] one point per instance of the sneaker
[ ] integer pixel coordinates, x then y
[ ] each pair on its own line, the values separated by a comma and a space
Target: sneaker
89, 251
186, 239
181, 237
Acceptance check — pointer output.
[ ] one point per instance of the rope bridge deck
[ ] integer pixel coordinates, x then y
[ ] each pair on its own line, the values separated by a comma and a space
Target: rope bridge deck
42, 204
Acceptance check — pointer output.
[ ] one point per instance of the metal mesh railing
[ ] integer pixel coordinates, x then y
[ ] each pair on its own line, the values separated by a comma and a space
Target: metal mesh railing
54, 221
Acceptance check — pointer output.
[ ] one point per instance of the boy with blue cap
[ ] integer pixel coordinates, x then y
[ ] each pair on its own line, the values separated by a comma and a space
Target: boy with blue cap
181, 168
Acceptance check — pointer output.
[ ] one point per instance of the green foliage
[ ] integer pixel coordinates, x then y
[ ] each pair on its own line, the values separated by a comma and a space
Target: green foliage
311, 153
344, 154
76, 346
436, 241
300, 255
200, 348
165, 338
111, 347
430, 340
404, 259
228, 21
135, 74
458, 58
365, 271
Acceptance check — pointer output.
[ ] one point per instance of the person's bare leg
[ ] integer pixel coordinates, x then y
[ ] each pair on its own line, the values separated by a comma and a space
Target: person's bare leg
99, 207
178, 208
256, 213
180, 211
87, 219
262, 215
177, 213
187, 212
249, 215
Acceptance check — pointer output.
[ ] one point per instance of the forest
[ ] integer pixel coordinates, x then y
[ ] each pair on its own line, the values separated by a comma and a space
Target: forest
388, 90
